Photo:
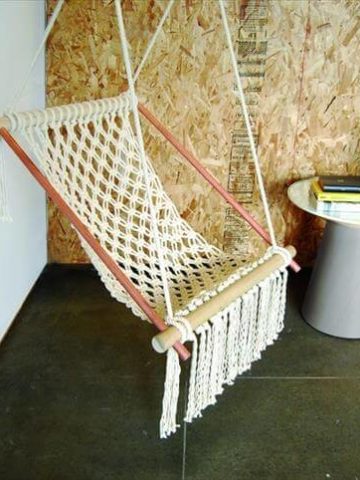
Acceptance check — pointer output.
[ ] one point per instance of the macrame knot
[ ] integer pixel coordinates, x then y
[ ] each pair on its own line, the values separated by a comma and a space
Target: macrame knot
277, 250
184, 327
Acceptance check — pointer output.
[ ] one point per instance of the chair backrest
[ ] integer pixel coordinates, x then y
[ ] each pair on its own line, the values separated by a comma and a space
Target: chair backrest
90, 154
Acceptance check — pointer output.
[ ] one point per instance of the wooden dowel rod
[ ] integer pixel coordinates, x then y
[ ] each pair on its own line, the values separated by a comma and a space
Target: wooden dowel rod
91, 240
166, 339
208, 177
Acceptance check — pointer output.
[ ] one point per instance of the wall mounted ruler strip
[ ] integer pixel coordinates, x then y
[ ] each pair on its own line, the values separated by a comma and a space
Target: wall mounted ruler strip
251, 45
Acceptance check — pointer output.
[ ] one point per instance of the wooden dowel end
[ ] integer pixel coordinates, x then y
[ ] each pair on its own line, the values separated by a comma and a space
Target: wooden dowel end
166, 339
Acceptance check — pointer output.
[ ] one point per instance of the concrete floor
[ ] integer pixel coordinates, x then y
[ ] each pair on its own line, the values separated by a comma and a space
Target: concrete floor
81, 395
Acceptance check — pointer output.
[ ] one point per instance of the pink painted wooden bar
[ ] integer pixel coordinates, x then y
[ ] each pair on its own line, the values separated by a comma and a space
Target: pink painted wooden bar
208, 177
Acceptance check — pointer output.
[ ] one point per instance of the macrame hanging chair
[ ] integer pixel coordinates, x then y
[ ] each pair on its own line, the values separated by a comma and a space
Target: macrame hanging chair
93, 164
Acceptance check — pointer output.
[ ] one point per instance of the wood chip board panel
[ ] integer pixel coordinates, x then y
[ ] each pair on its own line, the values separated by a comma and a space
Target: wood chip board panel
302, 84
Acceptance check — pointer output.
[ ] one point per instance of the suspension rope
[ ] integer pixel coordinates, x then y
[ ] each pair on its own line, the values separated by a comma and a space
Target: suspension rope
153, 39
127, 63
148, 50
240, 93
4, 198
48, 29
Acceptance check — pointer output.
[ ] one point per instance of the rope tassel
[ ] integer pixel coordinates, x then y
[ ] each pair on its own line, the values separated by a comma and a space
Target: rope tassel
168, 423
225, 347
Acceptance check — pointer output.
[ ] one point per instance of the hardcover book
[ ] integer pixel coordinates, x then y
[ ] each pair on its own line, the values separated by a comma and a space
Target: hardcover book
333, 196
340, 184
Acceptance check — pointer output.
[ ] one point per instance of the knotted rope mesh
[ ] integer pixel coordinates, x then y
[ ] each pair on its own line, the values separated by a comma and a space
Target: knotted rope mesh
90, 154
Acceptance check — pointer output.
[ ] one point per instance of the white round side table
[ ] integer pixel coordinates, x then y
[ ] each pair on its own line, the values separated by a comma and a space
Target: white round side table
332, 300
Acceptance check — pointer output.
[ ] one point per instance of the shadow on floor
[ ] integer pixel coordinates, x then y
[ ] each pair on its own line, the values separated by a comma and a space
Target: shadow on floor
81, 396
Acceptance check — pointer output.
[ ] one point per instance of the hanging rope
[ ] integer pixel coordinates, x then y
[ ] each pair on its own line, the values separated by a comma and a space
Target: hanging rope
48, 29
130, 78
153, 39
4, 200
241, 95
168, 422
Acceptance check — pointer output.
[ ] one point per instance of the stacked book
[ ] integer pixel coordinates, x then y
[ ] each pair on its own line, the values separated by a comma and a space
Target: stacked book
334, 194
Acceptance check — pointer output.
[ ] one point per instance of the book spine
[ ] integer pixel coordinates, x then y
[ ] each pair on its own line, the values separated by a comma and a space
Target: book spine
334, 196
339, 197
339, 189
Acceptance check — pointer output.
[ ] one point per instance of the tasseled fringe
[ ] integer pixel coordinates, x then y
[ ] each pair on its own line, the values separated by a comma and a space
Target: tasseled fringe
226, 346
4, 200
234, 338
168, 423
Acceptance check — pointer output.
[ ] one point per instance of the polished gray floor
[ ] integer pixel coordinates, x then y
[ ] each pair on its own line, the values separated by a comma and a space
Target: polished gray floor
81, 395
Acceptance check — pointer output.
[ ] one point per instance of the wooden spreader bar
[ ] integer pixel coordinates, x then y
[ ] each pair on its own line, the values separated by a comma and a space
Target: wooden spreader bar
166, 339
114, 268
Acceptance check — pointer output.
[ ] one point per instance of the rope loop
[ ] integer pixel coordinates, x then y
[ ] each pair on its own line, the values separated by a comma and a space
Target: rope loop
184, 327
278, 250
74, 112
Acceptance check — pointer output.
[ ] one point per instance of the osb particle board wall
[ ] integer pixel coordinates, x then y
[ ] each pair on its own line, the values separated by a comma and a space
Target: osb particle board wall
298, 61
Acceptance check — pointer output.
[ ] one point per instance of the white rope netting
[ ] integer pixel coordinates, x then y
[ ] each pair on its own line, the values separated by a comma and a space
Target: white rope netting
90, 154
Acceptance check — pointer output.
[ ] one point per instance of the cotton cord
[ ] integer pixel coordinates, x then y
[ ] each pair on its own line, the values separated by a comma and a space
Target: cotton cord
4, 200
184, 327
240, 94
233, 339
153, 40
133, 97
168, 423
277, 249
47, 32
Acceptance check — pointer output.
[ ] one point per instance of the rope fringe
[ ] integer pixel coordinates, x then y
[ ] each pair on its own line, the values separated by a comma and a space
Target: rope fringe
168, 423
225, 347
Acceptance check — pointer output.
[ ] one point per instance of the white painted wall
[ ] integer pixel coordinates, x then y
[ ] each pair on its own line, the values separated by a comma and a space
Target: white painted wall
23, 242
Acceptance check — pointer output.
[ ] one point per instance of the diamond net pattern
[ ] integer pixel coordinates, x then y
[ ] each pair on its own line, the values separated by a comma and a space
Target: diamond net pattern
90, 154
